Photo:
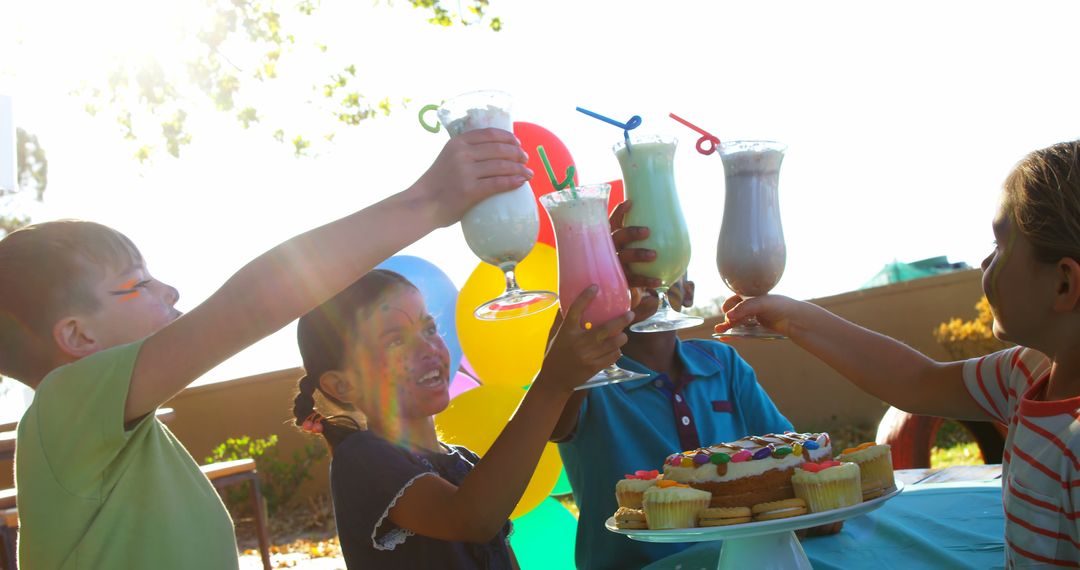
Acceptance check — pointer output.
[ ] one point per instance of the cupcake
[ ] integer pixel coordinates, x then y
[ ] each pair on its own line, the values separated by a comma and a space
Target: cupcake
875, 467
628, 491
673, 505
827, 485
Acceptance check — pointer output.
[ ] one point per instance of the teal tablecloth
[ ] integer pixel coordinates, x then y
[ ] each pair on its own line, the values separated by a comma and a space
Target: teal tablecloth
939, 526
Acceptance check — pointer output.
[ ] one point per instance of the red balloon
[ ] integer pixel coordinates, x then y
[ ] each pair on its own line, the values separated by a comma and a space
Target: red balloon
532, 136
616, 196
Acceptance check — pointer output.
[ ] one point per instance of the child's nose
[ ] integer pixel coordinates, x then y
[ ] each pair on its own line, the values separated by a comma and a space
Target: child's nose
171, 294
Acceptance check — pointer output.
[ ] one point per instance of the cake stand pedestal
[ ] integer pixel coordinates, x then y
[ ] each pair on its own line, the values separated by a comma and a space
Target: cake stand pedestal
764, 545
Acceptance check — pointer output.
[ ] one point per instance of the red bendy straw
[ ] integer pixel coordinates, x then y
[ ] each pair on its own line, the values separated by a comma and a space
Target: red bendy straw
713, 141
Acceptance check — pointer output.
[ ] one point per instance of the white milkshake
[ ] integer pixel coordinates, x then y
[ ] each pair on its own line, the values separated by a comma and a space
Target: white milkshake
502, 229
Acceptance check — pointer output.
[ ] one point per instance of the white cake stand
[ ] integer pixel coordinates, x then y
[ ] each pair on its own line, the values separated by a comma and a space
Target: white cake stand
761, 545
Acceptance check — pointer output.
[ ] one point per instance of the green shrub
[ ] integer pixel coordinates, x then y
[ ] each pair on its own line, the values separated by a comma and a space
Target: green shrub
280, 478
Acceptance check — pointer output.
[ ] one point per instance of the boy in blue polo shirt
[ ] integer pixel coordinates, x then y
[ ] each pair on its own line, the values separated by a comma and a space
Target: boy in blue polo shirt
698, 392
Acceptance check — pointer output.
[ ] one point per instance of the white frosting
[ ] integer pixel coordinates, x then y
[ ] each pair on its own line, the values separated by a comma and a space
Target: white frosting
837, 473
634, 485
675, 494
872, 452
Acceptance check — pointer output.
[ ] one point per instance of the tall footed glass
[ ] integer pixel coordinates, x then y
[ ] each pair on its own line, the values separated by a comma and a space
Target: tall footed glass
751, 252
649, 177
502, 229
587, 256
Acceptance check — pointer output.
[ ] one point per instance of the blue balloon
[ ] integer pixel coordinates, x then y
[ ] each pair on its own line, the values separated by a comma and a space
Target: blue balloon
439, 293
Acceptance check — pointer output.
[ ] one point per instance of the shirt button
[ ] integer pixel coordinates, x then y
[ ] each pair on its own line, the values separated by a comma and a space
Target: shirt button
678, 398
658, 383
685, 421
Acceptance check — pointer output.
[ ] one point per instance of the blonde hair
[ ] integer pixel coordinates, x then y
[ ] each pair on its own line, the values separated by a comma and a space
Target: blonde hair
47, 270
1042, 197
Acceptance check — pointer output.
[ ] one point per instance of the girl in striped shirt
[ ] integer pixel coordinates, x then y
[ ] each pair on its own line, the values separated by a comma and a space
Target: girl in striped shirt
1032, 281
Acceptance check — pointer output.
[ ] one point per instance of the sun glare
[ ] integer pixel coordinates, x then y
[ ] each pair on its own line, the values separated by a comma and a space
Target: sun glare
101, 35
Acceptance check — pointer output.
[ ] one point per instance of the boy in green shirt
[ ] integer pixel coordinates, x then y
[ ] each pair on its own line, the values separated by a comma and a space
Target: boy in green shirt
101, 483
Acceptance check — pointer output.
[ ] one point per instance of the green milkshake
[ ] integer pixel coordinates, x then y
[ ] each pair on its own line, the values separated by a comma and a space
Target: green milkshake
647, 169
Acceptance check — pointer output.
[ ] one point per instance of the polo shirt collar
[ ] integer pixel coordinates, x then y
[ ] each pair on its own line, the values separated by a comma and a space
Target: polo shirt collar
693, 361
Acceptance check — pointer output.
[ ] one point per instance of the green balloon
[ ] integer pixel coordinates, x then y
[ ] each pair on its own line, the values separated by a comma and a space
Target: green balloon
562, 486
543, 538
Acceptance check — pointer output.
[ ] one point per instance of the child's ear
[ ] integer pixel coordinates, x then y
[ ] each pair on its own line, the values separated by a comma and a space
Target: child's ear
334, 383
1068, 293
73, 338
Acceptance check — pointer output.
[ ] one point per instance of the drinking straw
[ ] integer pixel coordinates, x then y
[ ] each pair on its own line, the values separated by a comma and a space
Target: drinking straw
568, 181
705, 136
633, 123
423, 123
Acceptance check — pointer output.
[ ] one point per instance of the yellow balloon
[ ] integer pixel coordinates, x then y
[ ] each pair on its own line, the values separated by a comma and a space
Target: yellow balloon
508, 352
476, 418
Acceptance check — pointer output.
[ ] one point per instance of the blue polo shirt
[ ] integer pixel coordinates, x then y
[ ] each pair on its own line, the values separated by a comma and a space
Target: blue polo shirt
635, 425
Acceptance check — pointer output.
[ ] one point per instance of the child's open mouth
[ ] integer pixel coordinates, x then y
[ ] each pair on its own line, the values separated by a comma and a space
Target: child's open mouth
433, 379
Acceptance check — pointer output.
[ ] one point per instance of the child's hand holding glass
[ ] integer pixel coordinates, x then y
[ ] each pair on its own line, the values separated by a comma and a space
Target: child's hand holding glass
579, 349
471, 167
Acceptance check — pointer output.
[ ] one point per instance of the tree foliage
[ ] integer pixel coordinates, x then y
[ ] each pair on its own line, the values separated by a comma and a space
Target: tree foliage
32, 175
240, 45
970, 339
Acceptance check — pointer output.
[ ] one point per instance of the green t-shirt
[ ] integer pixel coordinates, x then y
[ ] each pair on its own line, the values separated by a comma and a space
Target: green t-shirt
93, 495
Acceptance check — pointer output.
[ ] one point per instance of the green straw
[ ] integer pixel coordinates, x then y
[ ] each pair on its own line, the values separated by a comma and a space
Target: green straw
568, 181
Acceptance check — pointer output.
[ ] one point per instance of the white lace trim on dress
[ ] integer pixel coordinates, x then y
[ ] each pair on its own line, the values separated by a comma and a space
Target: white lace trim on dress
396, 537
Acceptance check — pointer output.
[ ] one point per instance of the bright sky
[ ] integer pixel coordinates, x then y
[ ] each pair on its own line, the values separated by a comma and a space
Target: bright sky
902, 119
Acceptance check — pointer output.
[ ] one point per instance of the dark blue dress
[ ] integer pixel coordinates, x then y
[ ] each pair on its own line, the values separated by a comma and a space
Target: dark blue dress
367, 475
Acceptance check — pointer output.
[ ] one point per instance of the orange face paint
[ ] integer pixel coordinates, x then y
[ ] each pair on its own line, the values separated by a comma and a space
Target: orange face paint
127, 290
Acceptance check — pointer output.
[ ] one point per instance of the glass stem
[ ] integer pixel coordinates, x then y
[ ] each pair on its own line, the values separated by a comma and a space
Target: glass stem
750, 322
511, 280
665, 306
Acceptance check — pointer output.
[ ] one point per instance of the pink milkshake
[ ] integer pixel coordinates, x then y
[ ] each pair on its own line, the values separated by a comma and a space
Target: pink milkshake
587, 257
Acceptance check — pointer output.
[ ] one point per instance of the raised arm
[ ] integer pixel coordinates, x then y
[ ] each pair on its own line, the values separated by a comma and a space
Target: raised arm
880, 365
478, 509
292, 278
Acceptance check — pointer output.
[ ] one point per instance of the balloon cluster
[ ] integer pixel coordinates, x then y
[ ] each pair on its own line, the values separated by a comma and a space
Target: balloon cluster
497, 360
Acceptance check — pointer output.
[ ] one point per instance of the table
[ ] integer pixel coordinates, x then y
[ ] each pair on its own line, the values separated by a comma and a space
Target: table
10, 430
944, 518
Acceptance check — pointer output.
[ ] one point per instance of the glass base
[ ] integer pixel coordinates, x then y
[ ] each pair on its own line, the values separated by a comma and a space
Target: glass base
750, 330
516, 304
663, 321
611, 375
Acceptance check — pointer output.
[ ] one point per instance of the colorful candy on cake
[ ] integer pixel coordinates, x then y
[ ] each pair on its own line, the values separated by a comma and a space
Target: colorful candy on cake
875, 467
748, 471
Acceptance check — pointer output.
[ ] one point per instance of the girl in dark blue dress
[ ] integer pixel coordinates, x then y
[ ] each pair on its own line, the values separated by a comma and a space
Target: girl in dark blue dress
402, 498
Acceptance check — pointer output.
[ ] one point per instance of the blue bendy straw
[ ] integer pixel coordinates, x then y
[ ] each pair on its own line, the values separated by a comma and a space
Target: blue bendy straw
633, 123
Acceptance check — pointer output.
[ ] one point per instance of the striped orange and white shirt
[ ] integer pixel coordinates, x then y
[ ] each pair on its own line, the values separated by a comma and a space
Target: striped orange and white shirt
1040, 466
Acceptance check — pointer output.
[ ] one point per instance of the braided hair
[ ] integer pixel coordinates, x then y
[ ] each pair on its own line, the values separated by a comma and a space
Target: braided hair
324, 335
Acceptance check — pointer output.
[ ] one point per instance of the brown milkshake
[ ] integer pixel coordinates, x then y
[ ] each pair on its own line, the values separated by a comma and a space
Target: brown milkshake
751, 253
